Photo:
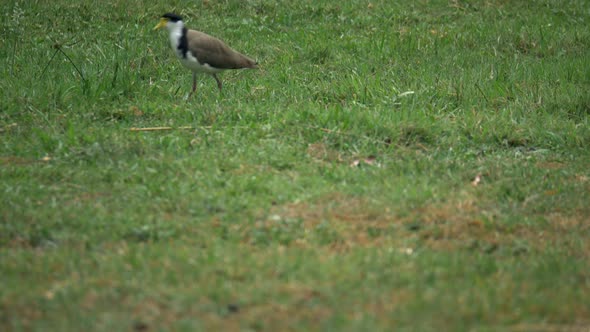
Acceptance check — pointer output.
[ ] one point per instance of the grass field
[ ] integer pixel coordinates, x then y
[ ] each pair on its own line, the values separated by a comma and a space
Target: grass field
393, 165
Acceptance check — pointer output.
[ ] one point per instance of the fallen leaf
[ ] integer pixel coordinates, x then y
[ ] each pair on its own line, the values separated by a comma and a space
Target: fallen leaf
407, 251
355, 163
49, 295
477, 180
370, 160
140, 326
233, 308
136, 111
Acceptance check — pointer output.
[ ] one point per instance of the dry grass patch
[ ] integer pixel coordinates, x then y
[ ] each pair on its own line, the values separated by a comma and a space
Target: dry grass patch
320, 152
343, 222
20, 161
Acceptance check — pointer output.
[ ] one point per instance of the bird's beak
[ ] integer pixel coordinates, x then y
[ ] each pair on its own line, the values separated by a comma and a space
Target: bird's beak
162, 24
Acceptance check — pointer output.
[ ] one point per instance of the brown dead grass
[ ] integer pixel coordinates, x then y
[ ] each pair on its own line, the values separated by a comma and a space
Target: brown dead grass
580, 327
280, 316
19, 161
154, 314
86, 197
320, 152
457, 223
552, 165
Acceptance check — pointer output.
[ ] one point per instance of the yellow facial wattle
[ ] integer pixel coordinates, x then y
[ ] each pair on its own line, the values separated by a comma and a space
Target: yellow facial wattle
161, 24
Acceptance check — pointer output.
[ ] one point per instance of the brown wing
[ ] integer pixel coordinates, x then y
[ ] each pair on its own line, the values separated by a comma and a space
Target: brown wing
216, 53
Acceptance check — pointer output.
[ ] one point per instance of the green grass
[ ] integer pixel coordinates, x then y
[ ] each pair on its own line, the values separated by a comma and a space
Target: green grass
254, 218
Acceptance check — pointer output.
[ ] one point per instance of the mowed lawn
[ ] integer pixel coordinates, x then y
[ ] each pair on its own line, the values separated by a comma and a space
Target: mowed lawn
392, 166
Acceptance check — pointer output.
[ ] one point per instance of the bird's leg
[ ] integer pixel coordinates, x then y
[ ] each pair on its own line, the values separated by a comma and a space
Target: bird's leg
194, 84
218, 81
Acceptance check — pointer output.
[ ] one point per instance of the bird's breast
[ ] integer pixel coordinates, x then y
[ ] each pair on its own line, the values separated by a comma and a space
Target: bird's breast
193, 64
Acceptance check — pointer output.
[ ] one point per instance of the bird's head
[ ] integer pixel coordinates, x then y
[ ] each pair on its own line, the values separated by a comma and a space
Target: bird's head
169, 20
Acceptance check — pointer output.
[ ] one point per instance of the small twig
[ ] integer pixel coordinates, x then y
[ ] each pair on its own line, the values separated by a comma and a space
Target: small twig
341, 133
47, 65
482, 93
73, 64
326, 130
160, 128
58, 48
8, 127
13, 57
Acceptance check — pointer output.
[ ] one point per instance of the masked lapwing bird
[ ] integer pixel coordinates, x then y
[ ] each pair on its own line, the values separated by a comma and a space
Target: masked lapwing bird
200, 52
